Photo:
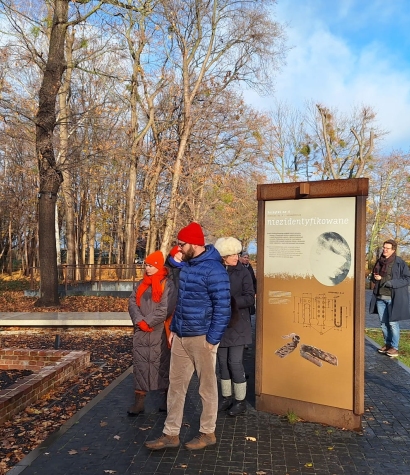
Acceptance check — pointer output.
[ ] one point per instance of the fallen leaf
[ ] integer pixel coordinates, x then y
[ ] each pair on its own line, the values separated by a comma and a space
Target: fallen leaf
31, 411
261, 473
144, 428
110, 471
103, 424
252, 439
117, 437
330, 448
308, 464
32, 427
72, 452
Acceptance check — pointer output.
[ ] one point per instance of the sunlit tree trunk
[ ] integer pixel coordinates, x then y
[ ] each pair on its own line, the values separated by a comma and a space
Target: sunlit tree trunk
50, 176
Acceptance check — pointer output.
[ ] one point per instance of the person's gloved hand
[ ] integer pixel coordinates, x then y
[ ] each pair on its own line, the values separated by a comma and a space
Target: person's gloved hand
143, 325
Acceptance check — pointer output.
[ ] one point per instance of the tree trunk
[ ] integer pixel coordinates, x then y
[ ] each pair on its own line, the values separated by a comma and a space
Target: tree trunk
65, 114
26, 266
50, 176
10, 250
47, 252
69, 224
129, 232
91, 235
57, 231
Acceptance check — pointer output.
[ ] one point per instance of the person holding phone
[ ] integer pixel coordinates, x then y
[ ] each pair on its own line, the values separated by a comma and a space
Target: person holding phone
390, 299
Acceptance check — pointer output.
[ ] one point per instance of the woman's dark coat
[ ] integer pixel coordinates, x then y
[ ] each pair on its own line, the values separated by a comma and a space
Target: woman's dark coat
173, 272
239, 331
151, 355
399, 292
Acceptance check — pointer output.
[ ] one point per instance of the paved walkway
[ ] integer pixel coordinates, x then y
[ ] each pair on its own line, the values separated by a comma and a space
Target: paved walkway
102, 439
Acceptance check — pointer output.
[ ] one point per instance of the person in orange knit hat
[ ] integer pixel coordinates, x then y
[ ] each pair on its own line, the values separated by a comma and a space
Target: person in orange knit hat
151, 302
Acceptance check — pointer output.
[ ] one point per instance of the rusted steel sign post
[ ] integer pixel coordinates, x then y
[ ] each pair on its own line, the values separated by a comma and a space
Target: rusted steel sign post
311, 300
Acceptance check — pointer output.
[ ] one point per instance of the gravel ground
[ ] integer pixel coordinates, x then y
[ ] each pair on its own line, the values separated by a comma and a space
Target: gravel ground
111, 355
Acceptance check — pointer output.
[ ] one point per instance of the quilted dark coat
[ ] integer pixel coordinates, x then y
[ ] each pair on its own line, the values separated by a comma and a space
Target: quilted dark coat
174, 269
399, 285
151, 355
239, 331
204, 302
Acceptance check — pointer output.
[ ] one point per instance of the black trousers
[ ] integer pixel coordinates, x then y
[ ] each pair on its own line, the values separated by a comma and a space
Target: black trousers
230, 360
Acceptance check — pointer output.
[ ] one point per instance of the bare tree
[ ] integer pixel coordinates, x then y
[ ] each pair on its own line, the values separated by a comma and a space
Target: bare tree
220, 43
141, 32
347, 143
388, 203
286, 144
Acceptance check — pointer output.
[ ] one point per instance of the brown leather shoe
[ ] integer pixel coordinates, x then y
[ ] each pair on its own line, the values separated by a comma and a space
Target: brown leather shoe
163, 442
383, 350
392, 352
201, 441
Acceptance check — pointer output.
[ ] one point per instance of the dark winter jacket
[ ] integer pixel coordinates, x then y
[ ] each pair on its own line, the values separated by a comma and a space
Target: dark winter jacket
151, 355
252, 272
399, 292
243, 292
252, 309
203, 304
174, 269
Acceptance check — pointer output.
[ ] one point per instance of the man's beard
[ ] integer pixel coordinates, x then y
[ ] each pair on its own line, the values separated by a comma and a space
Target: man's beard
187, 256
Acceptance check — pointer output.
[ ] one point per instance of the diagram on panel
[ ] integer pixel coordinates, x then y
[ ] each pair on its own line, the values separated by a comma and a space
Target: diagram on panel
322, 312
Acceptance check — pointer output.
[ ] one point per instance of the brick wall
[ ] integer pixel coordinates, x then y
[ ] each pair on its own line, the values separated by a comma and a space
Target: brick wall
33, 360
52, 367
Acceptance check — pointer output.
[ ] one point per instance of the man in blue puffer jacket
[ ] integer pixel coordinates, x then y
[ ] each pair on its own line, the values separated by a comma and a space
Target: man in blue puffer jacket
201, 316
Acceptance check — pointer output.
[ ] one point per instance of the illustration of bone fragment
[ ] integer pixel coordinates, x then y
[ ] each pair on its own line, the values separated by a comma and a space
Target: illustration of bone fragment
316, 355
287, 349
310, 358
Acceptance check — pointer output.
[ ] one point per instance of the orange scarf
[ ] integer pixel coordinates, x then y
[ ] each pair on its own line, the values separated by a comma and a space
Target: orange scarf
153, 281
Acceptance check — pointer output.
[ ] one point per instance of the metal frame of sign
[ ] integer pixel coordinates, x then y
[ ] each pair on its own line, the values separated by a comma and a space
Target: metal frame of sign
344, 417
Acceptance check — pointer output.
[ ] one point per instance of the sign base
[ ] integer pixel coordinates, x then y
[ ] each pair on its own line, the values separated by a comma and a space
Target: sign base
333, 416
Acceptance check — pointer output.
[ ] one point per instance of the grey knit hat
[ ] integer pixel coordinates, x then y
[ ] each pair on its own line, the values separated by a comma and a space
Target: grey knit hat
228, 246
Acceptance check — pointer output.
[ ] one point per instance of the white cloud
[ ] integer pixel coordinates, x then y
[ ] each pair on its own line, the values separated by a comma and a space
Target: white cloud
338, 71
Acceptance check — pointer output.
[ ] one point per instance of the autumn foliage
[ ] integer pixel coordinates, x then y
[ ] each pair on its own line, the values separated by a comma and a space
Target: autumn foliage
15, 301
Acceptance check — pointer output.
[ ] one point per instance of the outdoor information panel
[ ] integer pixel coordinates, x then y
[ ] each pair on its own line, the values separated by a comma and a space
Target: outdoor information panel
309, 309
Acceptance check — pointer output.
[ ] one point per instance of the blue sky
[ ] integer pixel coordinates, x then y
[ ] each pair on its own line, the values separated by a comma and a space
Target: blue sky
348, 53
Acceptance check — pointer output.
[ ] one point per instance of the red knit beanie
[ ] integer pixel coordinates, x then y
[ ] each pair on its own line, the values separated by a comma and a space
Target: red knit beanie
156, 259
174, 251
192, 234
